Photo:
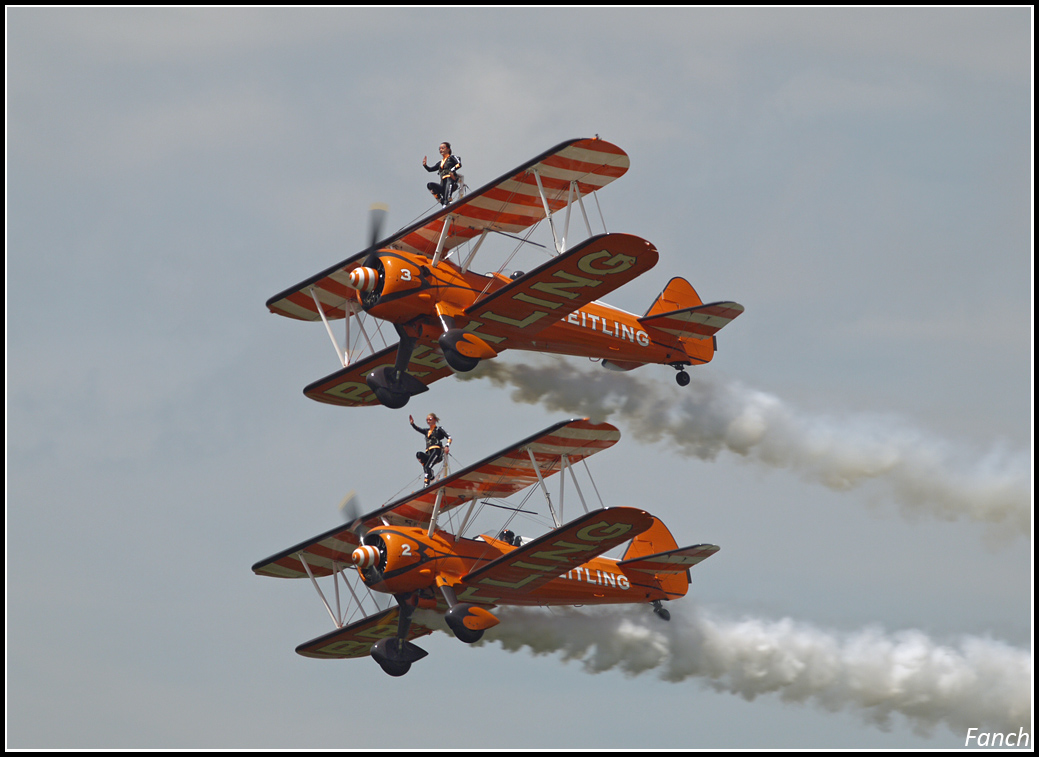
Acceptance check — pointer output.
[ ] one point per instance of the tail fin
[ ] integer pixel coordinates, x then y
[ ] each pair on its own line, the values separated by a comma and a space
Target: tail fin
679, 314
656, 552
678, 294
656, 538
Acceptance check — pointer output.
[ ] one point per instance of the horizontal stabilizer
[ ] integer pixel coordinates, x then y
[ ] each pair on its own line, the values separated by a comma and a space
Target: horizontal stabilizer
356, 639
700, 322
536, 563
672, 561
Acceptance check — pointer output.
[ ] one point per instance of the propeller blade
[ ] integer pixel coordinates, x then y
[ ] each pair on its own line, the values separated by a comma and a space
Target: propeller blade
376, 218
350, 510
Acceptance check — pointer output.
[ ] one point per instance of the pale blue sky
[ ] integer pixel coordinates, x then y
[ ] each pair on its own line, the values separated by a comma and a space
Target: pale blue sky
860, 180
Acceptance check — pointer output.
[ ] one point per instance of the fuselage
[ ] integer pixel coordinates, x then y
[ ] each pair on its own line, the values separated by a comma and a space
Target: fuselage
425, 298
412, 561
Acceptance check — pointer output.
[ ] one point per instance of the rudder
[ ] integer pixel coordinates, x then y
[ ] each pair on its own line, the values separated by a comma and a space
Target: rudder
678, 294
656, 538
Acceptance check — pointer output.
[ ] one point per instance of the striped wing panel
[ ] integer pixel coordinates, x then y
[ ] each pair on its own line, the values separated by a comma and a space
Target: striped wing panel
510, 203
356, 639
347, 387
701, 322
499, 475
675, 561
505, 473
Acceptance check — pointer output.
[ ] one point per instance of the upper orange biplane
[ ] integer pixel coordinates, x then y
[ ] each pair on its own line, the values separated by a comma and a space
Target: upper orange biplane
402, 550
449, 318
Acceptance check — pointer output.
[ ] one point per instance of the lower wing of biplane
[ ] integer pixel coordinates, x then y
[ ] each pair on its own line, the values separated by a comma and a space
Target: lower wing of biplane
399, 550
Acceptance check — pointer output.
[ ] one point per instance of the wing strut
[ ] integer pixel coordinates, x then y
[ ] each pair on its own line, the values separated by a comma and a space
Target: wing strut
575, 190
472, 255
340, 353
335, 617
443, 238
566, 464
548, 215
465, 520
544, 489
435, 513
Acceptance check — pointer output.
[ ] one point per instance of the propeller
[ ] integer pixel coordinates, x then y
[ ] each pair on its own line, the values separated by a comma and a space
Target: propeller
350, 510
365, 278
367, 556
376, 220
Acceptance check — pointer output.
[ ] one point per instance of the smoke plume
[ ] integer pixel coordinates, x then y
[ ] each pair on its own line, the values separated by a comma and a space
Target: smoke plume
980, 683
923, 474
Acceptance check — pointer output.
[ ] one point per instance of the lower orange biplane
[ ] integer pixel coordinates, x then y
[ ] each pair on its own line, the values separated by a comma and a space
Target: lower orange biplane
401, 550
449, 318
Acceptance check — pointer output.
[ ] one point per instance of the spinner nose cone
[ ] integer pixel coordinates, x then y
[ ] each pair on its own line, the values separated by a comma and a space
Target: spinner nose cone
363, 279
365, 557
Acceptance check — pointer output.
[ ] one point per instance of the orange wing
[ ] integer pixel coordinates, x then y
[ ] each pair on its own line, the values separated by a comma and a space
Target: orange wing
356, 639
347, 386
562, 285
536, 563
508, 204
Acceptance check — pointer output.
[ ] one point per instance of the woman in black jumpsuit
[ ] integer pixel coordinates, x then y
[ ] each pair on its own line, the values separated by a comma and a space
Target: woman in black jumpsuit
435, 448
447, 168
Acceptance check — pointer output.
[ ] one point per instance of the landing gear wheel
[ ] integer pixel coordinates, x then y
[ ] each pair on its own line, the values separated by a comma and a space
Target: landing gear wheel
395, 668
660, 611
682, 378
460, 362
468, 622
468, 635
395, 656
391, 399
393, 389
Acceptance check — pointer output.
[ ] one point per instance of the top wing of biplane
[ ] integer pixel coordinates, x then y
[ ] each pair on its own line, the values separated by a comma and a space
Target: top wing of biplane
500, 475
509, 204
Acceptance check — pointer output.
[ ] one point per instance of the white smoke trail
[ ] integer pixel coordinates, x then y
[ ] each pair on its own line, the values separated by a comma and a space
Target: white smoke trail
981, 683
925, 475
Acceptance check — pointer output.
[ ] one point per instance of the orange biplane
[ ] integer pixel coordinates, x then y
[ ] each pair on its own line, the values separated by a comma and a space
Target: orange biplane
448, 318
401, 550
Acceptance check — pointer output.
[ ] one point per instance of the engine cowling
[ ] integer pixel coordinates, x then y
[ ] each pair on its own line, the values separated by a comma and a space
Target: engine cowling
385, 278
393, 562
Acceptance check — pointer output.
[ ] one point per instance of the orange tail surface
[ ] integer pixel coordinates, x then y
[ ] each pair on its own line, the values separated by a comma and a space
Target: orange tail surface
678, 294
656, 539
